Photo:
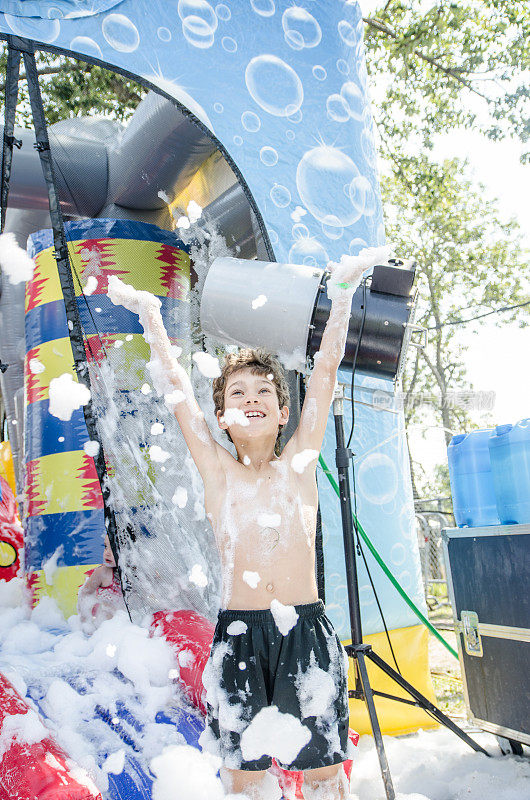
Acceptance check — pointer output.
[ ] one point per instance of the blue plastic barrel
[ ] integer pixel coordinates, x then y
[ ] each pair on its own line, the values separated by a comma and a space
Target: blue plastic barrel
474, 502
509, 447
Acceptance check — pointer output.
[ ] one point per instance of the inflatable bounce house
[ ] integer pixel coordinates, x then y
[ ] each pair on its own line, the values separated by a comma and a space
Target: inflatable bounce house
254, 139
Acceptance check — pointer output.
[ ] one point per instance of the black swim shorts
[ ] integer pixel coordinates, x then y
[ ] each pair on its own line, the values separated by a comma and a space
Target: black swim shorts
277, 695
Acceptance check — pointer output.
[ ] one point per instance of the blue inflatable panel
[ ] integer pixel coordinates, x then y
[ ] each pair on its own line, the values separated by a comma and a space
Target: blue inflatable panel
105, 229
45, 323
44, 431
45, 533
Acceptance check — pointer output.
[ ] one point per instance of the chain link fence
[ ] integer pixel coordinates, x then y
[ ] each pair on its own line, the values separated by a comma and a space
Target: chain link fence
432, 516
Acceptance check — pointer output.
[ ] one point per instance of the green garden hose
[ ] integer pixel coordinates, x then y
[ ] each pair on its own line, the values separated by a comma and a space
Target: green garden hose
385, 569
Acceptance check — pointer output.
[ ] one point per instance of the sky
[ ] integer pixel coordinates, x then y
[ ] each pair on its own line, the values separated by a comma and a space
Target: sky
497, 354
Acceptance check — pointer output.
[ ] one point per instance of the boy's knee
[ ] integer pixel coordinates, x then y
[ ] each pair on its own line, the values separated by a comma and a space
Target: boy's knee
256, 785
326, 783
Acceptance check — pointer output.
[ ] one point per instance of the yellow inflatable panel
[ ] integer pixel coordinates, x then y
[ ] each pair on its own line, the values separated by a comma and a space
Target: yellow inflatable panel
62, 482
7, 470
57, 358
410, 647
169, 267
64, 589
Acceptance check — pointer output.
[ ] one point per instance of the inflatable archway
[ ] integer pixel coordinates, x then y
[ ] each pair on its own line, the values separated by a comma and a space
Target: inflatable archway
270, 118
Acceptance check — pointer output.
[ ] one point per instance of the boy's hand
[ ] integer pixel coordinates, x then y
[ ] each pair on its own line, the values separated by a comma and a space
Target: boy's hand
346, 275
344, 279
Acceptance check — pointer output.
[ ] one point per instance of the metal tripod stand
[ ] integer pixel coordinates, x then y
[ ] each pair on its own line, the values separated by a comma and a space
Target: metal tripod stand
358, 650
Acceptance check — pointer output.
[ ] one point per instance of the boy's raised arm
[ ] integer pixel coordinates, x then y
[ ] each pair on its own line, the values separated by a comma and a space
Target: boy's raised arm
170, 376
345, 277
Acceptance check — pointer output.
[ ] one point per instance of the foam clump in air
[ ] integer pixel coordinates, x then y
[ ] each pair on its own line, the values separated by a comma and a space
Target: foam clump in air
66, 396
272, 733
235, 416
14, 261
36, 366
285, 617
156, 453
269, 520
251, 578
346, 274
180, 498
184, 773
259, 301
91, 285
194, 212
237, 627
197, 576
207, 365
91, 448
157, 428
302, 459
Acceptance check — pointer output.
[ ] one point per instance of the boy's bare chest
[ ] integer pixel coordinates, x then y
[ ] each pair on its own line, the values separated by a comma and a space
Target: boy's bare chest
270, 513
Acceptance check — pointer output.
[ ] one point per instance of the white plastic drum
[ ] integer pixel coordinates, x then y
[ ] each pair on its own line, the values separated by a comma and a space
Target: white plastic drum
261, 304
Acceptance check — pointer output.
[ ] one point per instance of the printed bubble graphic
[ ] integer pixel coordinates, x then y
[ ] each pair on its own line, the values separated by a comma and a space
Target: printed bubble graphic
274, 85
120, 33
337, 108
398, 554
238, 140
290, 135
218, 108
347, 33
280, 195
362, 196
43, 30
332, 228
319, 72
354, 99
321, 176
343, 66
368, 148
250, 121
356, 245
84, 44
265, 8
300, 28
223, 12
268, 156
164, 34
300, 231
199, 22
229, 44
308, 251
377, 479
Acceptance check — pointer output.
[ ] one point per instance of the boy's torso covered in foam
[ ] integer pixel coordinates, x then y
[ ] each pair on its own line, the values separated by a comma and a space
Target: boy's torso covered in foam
264, 523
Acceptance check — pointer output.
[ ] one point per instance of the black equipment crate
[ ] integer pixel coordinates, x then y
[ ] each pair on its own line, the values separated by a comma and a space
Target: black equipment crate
488, 579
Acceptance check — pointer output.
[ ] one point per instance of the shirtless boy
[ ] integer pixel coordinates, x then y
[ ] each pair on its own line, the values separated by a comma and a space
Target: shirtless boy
272, 632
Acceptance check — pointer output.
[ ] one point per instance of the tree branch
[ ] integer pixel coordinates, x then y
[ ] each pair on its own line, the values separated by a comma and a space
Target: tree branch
451, 72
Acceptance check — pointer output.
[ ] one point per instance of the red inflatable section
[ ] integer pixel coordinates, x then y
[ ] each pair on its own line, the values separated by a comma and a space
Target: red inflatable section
11, 534
190, 637
29, 769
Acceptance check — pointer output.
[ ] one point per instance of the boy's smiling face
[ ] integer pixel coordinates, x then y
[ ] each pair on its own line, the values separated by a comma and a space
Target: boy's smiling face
256, 397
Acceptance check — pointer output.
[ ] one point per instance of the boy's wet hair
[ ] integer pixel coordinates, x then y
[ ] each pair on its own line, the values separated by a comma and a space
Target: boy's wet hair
260, 362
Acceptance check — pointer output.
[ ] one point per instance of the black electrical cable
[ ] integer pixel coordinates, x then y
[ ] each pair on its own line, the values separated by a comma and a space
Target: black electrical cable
359, 337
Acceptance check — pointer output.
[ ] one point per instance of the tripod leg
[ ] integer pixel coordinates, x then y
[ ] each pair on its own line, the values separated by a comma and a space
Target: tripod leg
423, 702
376, 730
